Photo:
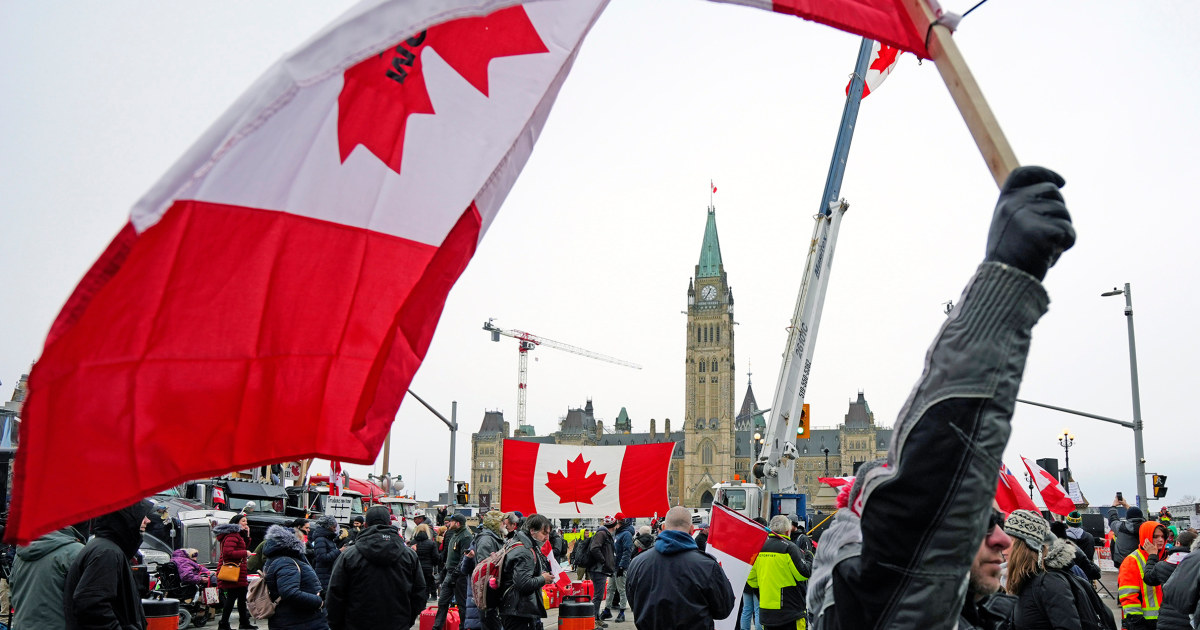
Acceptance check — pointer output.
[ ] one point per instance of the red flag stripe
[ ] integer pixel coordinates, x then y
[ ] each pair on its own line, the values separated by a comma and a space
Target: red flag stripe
516, 479
644, 479
886, 21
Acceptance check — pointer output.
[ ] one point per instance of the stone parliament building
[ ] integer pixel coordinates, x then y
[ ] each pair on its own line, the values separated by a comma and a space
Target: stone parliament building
711, 443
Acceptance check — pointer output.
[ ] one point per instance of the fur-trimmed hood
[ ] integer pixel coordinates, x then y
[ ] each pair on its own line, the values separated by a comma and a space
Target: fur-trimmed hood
282, 540
1061, 554
224, 529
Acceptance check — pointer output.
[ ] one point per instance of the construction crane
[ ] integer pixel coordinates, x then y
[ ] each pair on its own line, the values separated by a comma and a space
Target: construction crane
529, 341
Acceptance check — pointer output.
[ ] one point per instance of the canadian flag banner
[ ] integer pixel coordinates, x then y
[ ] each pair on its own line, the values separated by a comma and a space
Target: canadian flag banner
272, 296
336, 479
836, 482
1052, 492
563, 481
883, 59
1009, 493
882, 20
734, 540
714, 186
218, 495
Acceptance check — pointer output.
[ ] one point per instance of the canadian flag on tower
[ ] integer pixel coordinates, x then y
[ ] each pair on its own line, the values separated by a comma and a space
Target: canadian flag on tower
561, 481
1053, 495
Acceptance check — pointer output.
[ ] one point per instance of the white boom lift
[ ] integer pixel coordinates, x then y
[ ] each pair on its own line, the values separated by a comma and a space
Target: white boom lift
529, 341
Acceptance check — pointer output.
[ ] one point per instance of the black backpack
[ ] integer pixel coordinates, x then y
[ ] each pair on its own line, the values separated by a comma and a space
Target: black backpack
1093, 614
579, 556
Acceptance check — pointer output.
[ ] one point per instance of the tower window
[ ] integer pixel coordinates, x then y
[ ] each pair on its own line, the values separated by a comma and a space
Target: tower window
700, 424
706, 455
697, 335
714, 424
703, 366
714, 366
718, 334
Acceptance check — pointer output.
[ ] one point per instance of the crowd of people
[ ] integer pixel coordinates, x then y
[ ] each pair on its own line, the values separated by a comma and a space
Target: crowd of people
919, 541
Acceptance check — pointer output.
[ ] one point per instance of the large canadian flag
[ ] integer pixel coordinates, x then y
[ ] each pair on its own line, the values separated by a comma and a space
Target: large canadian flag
1009, 493
562, 481
734, 540
273, 294
1053, 495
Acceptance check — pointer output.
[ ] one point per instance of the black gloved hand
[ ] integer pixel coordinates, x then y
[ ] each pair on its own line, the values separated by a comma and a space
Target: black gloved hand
620, 572
1031, 226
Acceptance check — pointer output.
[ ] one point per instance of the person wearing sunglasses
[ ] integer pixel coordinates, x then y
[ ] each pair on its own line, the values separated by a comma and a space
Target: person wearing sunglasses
901, 554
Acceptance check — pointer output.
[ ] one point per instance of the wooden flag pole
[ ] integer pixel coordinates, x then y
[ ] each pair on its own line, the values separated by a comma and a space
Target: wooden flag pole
966, 93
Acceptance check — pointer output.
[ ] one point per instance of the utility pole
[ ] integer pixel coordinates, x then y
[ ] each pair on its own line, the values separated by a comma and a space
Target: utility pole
452, 423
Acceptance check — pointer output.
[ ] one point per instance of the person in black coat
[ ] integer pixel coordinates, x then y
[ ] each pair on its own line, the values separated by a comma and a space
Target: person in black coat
376, 583
1181, 593
100, 591
524, 573
1039, 575
429, 556
325, 547
292, 581
675, 585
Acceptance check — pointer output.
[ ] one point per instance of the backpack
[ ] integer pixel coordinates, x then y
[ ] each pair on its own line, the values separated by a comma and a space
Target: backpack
486, 595
258, 598
1093, 614
579, 556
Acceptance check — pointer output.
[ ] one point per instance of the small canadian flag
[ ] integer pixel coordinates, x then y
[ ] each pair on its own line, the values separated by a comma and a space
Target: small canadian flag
883, 59
714, 186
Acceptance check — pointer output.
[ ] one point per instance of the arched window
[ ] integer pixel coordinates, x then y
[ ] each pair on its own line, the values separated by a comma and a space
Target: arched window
714, 366
703, 366
697, 334
718, 334
706, 455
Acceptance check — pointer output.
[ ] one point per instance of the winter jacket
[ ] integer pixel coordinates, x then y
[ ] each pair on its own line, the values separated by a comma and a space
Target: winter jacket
1046, 600
455, 544
1158, 571
1181, 595
641, 543
990, 613
675, 585
779, 573
486, 543
521, 580
601, 555
623, 547
100, 591
255, 563
1084, 541
325, 552
233, 551
291, 580
190, 571
38, 575
1139, 599
375, 584
427, 554
940, 478
1126, 531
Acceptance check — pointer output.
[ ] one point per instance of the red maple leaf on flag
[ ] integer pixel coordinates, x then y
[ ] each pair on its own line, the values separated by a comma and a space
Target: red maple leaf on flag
887, 57
380, 93
576, 486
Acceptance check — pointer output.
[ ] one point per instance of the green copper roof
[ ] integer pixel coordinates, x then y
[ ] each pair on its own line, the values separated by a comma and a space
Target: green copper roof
710, 249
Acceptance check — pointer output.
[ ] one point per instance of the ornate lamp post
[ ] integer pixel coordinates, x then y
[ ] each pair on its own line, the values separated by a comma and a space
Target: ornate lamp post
1066, 439
825, 449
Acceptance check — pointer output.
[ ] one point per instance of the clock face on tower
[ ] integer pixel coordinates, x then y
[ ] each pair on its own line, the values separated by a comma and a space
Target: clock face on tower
708, 293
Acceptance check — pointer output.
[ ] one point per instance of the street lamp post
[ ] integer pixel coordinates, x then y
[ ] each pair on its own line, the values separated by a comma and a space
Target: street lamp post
1066, 439
758, 442
825, 449
1138, 451
1030, 480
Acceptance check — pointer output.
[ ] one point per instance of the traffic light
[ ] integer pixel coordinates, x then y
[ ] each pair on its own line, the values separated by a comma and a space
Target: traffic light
802, 430
464, 493
1160, 485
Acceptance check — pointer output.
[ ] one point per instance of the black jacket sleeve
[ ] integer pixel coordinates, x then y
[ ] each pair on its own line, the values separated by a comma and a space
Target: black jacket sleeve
1157, 572
335, 593
719, 594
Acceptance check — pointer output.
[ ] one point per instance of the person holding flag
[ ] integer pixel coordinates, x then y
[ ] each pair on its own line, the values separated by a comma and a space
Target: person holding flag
938, 484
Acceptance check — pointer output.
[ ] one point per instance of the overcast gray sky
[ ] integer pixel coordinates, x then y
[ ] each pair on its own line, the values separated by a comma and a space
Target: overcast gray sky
597, 241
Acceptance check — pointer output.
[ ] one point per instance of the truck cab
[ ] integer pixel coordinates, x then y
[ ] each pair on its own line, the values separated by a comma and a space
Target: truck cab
740, 496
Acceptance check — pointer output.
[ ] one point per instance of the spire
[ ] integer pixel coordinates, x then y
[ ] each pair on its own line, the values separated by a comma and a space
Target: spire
710, 249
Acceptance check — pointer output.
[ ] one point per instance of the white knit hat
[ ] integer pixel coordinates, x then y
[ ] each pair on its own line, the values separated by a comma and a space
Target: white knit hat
1030, 527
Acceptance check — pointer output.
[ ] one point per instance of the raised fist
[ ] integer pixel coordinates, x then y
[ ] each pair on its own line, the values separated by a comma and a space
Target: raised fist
1031, 226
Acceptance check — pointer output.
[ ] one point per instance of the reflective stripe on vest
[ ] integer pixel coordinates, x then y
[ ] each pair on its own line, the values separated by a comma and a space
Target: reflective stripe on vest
1150, 603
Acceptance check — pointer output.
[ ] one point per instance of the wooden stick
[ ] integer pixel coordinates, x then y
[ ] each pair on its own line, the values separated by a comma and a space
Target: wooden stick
966, 93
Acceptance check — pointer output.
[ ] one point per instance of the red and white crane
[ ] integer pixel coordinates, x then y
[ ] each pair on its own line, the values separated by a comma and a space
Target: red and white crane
529, 341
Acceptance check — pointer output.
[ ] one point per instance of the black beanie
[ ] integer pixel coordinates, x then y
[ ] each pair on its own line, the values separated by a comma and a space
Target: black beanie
1134, 512
237, 517
379, 515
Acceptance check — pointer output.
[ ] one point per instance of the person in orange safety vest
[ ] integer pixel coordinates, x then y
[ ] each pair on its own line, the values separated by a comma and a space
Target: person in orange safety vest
1140, 602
